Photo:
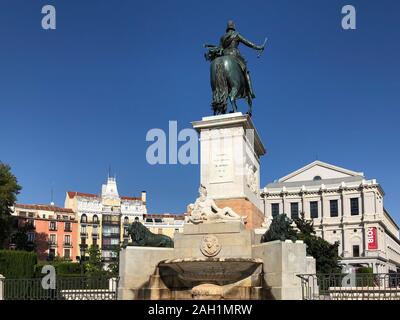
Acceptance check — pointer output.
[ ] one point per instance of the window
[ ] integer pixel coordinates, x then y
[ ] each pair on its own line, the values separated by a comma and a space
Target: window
354, 206
31, 236
67, 239
52, 239
67, 254
334, 208
83, 230
52, 254
294, 210
94, 241
83, 241
275, 209
356, 251
95, 219
67, 226
84, 218
314, 209
53, 226
126, 220
317, 178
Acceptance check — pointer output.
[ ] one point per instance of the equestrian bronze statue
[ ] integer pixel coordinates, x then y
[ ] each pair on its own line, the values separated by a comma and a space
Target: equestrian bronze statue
141, 236
229, 76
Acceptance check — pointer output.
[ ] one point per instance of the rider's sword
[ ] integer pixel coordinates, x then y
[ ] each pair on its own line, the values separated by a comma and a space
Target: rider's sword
261, 51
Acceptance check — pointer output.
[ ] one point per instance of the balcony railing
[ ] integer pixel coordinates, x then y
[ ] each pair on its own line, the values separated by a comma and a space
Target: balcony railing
112, 235
68, 244
111, 223
83, 234
52, 242
67, 230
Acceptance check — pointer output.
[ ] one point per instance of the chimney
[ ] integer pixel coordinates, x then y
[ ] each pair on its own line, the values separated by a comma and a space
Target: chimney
144, 197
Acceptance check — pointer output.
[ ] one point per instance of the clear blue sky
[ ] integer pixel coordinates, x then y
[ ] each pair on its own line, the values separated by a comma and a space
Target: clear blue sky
74, 100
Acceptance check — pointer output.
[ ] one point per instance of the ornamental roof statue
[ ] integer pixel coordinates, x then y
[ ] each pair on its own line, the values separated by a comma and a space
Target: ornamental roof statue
229, 76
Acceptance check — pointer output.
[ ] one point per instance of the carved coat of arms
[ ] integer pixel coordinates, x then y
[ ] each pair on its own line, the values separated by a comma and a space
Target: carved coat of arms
210, 246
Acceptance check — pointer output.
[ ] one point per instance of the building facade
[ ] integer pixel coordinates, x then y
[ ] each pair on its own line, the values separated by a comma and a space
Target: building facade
104, 218
166, 224
54, 232
345, 207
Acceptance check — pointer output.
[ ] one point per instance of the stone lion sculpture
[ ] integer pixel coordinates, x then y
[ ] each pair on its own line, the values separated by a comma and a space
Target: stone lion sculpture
141, 236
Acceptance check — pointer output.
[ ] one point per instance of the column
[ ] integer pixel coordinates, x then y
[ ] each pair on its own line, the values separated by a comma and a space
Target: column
2, 279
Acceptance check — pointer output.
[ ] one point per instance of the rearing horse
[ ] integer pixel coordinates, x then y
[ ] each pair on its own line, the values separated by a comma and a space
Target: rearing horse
228, 82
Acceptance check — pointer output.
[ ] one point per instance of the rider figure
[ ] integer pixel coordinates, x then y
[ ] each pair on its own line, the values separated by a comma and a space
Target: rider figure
230, 42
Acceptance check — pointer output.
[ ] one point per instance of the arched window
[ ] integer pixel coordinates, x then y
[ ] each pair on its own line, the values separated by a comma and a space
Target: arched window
316, 178
95, 219
126, 220
84, 218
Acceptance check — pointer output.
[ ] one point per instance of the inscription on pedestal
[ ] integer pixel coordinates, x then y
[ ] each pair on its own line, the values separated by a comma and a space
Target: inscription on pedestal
221, 166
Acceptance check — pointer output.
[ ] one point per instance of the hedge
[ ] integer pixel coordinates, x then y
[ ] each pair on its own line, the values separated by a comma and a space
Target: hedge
15, 264
63, 268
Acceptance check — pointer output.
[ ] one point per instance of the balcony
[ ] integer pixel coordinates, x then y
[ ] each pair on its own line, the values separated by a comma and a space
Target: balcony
83, 234
68, 244
111, 223
110, 247
67, 230
111, 235
52, 228
52, 243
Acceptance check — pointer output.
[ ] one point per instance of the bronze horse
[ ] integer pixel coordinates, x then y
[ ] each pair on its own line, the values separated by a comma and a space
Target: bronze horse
227, 82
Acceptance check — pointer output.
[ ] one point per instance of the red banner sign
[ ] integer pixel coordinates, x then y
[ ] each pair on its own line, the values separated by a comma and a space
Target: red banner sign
372, 238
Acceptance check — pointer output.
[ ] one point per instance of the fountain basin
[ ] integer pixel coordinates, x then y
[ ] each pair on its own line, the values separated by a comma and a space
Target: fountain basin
195, 271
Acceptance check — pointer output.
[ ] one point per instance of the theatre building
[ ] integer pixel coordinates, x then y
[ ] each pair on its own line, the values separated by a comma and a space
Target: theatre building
346, 207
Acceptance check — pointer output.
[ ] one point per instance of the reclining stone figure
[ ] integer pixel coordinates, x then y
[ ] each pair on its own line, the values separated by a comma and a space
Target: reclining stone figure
206, 210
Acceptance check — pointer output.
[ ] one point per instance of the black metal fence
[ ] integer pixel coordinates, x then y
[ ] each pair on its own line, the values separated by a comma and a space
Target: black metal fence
353, 286
74, 288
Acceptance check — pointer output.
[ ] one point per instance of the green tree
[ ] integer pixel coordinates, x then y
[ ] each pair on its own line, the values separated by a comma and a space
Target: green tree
113, 267
94, 263
20, 238
325, 253
280, 229
9, 189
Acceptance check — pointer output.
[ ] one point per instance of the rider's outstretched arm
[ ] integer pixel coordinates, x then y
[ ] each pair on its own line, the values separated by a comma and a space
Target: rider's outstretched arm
249, 43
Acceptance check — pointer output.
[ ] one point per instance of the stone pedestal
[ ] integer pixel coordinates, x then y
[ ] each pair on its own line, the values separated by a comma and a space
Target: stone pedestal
282, 262
138, 273
230, 151
215, 261
233, 239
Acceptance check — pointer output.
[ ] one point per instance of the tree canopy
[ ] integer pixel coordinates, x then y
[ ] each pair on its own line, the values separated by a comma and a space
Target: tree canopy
325, 253
9, 189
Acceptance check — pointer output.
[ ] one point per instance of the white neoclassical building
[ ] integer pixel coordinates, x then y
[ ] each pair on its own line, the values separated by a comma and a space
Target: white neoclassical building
345, 207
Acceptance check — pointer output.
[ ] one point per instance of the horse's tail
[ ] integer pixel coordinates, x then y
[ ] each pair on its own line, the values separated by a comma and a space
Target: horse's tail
220, 94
